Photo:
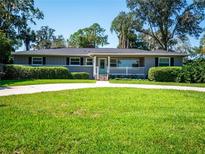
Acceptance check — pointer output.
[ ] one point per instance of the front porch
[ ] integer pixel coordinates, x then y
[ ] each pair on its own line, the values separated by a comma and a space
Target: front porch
105, 66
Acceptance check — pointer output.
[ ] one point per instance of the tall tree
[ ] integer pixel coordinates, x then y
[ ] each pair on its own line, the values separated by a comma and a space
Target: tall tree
201, 49
123, 25
44, 38
14, 17
5, 48
202, 45
165, 20
28, 36
90, 37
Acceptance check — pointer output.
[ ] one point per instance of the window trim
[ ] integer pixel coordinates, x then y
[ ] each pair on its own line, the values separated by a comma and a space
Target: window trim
86, 60
70, 58
37, 64
164, 58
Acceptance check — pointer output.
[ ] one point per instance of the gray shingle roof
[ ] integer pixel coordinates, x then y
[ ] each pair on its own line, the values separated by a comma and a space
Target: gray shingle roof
96, 51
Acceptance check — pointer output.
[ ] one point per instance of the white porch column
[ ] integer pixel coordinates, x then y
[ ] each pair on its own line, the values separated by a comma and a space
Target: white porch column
108, 65
94, 67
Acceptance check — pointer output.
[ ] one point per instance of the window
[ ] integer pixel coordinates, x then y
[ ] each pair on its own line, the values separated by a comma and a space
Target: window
164, 61
113, 62
89, 61
37, 61
129, 63
75, 61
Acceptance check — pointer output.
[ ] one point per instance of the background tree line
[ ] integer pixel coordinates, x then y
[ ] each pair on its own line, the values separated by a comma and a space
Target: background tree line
152, 24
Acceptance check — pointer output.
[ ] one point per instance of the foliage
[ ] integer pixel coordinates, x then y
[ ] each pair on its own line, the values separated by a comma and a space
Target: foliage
58, 42
165, 20
103, 120
5, 48
44, 38
90, 37
28, 36
19, 72
164, 74
124, 26
80, 75
201, 49
15, 15
193, 72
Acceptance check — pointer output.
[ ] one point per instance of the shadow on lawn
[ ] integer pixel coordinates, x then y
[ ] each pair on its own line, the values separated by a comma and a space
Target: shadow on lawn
2, 105
6, 83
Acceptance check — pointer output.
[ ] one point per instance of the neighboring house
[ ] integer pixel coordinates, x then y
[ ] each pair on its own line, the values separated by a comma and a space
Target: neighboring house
100, 62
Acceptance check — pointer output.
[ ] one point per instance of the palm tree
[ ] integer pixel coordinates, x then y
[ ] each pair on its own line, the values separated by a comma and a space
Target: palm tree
28, 36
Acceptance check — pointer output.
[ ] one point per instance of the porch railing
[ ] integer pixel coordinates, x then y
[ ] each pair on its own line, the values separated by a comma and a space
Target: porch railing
127, 71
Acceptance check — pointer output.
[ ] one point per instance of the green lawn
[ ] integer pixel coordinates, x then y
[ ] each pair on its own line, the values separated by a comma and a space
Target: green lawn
104, 120
34, 82
157, 83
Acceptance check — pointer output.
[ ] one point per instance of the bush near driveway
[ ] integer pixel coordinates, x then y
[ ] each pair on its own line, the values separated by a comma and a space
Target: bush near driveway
193, 72
164, 74
80, 75
20, 72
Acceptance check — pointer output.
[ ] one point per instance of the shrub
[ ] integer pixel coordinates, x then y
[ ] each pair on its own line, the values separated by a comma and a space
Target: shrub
193, 72
80, 75
164, 74
19, 72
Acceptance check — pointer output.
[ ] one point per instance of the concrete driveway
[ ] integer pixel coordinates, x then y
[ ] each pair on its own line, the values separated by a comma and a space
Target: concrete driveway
16, 90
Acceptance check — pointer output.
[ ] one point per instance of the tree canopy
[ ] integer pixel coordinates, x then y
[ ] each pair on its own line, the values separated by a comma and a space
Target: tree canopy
5, 48
165, 21
58, 42
124, 26
44, 38
90, 37
15, 15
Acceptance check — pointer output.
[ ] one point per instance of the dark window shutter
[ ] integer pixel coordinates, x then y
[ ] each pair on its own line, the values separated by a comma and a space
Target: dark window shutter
81, 61
68, 61
156, 61
142, 62
29, 60
44, 60
172, 61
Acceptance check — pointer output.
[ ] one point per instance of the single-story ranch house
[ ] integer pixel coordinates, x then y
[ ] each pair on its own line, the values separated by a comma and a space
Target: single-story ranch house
100, 62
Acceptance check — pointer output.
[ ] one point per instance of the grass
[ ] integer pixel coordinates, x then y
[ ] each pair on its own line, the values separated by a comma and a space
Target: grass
104, 120
134, 81
34, 82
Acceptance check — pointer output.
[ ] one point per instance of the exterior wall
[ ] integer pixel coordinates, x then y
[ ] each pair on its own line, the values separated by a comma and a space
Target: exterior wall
55, 60
149, 62
22, 60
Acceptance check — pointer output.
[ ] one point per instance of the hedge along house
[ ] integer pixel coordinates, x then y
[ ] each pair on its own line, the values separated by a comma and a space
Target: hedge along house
101, 62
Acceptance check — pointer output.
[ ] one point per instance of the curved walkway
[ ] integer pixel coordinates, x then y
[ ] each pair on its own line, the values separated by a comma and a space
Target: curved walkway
16, 90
